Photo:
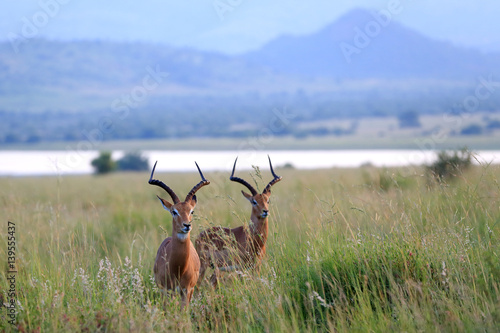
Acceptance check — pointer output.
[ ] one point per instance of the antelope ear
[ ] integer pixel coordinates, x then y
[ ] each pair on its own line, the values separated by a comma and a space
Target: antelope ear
167, 205
246, 195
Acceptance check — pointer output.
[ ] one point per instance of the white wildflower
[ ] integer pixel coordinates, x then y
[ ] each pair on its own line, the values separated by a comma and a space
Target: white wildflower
444, 275
153, 283
33, 282
56, 300
137, 284
19, 306
359, 237
468, 231
83, 279
321, 300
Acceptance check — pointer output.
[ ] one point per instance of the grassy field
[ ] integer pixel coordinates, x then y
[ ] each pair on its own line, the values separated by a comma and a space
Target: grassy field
349, 250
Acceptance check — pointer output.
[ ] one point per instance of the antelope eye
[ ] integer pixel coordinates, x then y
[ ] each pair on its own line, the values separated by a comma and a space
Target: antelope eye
192, 212
174, 213
254, 202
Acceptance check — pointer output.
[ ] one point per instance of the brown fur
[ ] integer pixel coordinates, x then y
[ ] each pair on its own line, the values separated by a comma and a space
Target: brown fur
242, 247
177, 264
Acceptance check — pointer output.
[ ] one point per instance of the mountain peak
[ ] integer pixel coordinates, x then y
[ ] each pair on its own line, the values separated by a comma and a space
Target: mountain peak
370, 44
355, 16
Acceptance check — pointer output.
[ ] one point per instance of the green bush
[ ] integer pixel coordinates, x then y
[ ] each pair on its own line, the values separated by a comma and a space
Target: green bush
449, 164
104, 163
133, 161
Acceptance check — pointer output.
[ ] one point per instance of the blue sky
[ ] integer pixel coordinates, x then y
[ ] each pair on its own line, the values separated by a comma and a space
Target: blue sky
233, 26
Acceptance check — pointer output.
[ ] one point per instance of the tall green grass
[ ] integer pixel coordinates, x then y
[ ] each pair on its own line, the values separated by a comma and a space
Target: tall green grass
349, 249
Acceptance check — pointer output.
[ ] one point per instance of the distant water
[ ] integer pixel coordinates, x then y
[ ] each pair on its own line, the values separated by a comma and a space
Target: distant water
27, 163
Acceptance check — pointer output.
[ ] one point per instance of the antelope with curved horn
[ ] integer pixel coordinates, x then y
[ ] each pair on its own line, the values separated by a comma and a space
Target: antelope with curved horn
177, 264
226, 249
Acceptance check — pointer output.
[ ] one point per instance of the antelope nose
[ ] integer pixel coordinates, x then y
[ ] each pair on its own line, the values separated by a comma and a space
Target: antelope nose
187, 225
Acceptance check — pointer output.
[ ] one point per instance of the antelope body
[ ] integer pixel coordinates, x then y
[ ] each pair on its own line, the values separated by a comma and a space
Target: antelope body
242, 247
177, 264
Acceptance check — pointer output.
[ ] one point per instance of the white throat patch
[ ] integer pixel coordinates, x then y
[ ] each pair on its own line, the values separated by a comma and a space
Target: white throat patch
182, 236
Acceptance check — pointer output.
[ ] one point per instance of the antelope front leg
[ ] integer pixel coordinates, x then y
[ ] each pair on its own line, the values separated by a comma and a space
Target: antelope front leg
185, 297
205, 264
214, 279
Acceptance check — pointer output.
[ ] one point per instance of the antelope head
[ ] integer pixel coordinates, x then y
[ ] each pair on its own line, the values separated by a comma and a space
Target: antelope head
182, 212
259, 201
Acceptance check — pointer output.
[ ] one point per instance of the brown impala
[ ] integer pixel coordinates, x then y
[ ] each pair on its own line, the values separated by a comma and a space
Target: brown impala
177, 264
226, 249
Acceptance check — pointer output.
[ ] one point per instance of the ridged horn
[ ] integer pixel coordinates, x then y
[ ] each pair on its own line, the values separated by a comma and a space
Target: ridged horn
241, 181
275, 179
161, 184
202, 183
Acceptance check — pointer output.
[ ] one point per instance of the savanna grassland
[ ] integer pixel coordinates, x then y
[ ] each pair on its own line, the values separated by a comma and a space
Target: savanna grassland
349, 250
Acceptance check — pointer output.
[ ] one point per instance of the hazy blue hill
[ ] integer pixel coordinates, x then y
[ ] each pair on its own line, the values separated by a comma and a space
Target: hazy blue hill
98, 70
98, 64
395, 52
89, 75
398, 70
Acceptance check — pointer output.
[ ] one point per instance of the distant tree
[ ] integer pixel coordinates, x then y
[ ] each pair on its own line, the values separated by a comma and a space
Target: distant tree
409, 119
449, 164
12, 138
33, 138
320, 131
493, 124
472, 129
103, 163
133, 161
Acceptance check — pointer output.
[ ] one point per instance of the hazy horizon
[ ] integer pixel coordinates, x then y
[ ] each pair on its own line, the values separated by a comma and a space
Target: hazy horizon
238, 26
324, 68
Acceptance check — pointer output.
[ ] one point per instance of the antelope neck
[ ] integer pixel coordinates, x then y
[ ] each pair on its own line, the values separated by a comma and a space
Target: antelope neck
259, 225
180, 252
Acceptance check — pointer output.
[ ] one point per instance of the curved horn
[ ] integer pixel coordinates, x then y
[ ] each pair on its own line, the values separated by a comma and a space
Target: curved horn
197, 186
161, 184
241, 181
275, 179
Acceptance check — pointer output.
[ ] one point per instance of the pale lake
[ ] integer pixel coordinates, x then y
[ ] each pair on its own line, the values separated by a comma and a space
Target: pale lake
36, 163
